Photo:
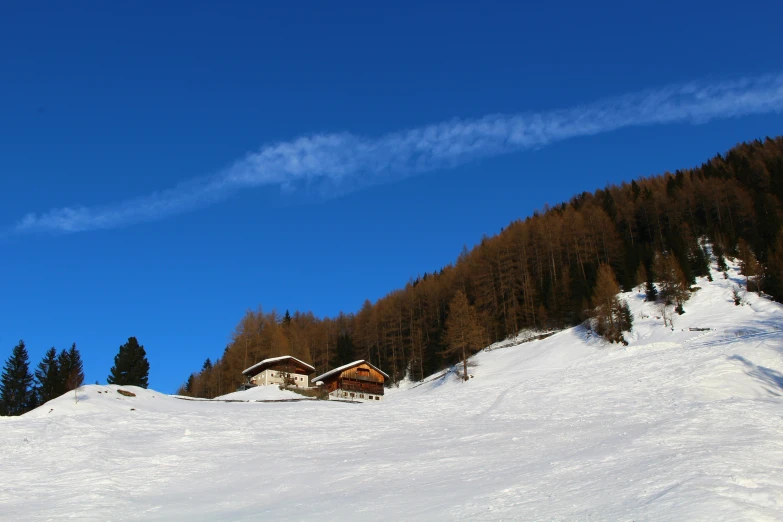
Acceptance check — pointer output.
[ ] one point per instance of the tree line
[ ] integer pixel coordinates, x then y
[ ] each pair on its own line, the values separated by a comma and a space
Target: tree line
22, 390
556, 268
56, 374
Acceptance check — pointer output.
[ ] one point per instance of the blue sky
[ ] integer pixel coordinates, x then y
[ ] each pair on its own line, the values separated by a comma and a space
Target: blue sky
107, 110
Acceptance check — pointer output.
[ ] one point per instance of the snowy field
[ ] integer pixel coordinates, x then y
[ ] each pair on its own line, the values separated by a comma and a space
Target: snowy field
680, 425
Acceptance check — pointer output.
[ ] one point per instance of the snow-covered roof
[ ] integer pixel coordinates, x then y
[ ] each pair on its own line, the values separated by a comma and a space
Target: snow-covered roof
349, 365
267, 362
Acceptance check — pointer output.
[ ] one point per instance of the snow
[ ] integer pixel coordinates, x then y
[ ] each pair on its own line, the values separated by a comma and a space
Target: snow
678, 425
262, 393
96, 399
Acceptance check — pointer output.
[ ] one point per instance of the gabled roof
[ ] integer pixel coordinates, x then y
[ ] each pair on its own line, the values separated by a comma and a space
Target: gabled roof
347, 366
258, 367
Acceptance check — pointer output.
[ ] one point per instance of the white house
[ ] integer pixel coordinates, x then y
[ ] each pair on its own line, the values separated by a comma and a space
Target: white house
280, 370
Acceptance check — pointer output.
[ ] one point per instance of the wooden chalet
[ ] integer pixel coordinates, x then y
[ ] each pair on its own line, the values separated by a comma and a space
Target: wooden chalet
358, 380
280, 370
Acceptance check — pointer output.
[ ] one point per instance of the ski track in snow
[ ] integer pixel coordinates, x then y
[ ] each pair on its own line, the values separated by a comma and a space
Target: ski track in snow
679, 425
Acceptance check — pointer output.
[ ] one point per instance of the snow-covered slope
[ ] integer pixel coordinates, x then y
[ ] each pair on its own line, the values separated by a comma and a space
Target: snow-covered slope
679, 425
120, 400
262, 393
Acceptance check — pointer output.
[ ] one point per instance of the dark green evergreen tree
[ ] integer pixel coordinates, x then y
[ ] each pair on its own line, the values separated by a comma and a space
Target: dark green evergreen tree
626, 317
287, 319
16, 384
71, 368
700, 261
717, 251
131, 367
48, 379
207, 365
635, 190
189, 384
650, 291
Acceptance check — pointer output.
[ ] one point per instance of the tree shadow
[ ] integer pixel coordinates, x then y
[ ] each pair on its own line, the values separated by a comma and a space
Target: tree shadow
768, 376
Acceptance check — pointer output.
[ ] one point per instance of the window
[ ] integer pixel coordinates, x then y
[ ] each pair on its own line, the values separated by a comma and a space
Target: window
361, 396
353, 395
345, 394
377, 398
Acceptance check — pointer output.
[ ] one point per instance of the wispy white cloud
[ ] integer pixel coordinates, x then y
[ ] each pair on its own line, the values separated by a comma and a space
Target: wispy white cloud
339, 163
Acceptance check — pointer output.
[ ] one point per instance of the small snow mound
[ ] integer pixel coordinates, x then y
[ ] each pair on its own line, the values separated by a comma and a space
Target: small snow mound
262, 393
95, 398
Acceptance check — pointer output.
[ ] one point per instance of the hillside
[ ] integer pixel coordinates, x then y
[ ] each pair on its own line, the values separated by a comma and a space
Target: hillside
678, 425
539, 272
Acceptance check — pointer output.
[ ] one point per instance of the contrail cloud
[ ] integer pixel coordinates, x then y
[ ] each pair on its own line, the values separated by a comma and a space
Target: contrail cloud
339, 163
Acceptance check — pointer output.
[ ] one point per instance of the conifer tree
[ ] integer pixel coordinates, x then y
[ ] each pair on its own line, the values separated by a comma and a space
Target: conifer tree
463, 333
48, 378
717, 251
16, 384
345, 349
71, 368
131, 367
612, 316
674, 288
772, 272
700, 261
641, 276
749, 265
650, 291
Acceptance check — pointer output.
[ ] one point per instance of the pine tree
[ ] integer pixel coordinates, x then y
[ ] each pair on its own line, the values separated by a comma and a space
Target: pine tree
131, 367
463, 333
71, 368
205, 390
189, 384
717, 251
700, 261
48, 379
626, 317
650, 291
16, 392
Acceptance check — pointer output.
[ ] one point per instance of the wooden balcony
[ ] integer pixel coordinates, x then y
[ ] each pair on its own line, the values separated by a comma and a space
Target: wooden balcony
362, 386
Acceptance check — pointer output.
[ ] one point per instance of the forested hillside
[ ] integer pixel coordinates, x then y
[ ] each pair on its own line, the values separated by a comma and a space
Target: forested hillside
540, 272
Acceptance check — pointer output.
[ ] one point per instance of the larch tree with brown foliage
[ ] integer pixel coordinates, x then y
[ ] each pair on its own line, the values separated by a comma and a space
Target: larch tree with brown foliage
749, 265
674, 287
463, 333
611, 315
